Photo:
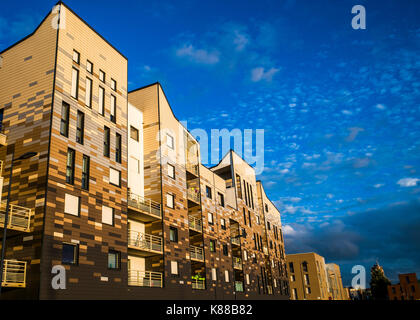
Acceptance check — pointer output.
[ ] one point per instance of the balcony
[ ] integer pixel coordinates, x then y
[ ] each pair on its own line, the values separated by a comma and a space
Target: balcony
237, 263
19, 217
193, 194
3, 138
192, 168
198, 283
239, 286
145, 279
195, 224
196, 253
235, 240
146, 210
14, 274
145, 242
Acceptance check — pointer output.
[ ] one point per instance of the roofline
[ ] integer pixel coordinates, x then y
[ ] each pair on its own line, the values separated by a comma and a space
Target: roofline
68, 8
262, 187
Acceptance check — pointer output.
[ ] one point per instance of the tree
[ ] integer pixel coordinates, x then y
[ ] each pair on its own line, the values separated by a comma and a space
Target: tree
378, 283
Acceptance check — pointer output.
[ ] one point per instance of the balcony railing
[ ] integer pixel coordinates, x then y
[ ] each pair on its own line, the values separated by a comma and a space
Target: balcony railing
19, 217
237, 263
239, 286
144, 241
192, 168
235, 240
145, 279
193, 195
145, 205
196, 253
195, 224
198, 284
14, 274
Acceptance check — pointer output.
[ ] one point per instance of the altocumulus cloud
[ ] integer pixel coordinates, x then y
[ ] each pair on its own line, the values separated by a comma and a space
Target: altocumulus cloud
389, 235
200, 56
408, 182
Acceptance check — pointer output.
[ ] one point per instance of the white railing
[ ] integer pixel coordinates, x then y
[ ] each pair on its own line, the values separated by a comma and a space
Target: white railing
239, 286
195, 223
145, 241
198, 284
14, 274
146, 205
237, 263
196, 253
19, 218
145, 279
193, 195
235, 240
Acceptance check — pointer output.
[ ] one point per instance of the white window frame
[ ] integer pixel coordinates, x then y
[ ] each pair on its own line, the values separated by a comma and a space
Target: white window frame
226, 275
171, 171
107, 215
170, 198
214, 274
72, 205
114, 174
75, 83
101, 100
174, 267
170, 141
88, 96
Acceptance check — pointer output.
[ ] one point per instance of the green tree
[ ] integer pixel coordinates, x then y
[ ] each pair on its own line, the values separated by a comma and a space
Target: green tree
378, 283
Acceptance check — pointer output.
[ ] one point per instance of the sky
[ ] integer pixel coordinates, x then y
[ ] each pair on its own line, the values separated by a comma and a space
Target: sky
340, 108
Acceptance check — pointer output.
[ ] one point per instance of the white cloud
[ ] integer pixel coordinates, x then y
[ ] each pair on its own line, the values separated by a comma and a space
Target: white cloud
258, 74
288, 230
241, 40
380, 107
408, 182
378, 185
198, 55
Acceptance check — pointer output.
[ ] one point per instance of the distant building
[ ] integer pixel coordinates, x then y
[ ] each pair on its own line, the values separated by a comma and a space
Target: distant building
360, 294
311, 279
407, 289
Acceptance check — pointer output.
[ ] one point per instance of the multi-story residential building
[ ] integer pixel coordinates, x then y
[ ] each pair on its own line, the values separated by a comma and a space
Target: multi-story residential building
407, 289
117, 193
311, 279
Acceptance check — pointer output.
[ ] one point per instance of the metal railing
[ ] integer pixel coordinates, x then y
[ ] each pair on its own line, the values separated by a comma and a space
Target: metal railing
193, 195
198, 284
193, 168
19, 217
146, 205
195, 223
239, 286
235, 240
14, 274
196, 253
145, 241
145, 279
237, 263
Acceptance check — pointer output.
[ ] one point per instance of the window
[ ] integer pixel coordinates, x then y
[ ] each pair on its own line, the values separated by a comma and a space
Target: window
65, 116
88, 96
101, 103
244, 215
80, 129
114, 258
226, 276
308, 290
292, 278
245, 193
238, 186
102, 76
210, 217
170, 141
305, 266
70, 254
170, 200
76, 56
252, 196
249, 219
221, 199
225, 250
75, 83
89, 66
174, 267
268, 225
113, 116
107, 134
223, 223
266, 208
258, 219
113, 84
70, 166
213, 274
208, 192
295, 295
307, 279
85, 172
118, 151
291, 267
212, 245
247, 279
108, 215
173, 234
71, 205
134, 133
171, 171
115, 177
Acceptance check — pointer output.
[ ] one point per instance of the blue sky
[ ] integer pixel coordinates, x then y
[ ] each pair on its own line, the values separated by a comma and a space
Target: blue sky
340, 107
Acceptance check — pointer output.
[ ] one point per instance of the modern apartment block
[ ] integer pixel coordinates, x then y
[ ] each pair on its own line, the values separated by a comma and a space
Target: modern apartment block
311, 279
117, 193
407, 289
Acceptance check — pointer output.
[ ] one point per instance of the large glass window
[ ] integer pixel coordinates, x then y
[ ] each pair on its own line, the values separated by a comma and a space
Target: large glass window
65, 117
80, 129
107, 146
70, 253
75, 83
70, 166
85, 172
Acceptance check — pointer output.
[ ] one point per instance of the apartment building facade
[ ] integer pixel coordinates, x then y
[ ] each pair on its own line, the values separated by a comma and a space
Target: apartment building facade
117, 194
312, 279
407, 289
